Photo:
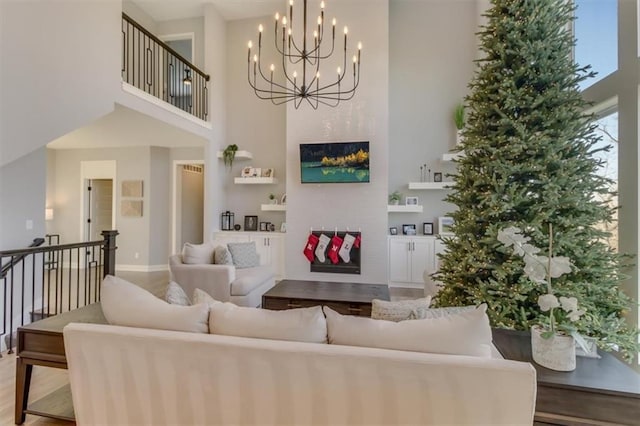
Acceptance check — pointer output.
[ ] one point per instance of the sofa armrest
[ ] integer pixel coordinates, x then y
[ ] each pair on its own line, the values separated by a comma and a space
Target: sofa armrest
213, 279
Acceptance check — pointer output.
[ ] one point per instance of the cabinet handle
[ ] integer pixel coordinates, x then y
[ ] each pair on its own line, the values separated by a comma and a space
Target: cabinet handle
293, 305
352, 309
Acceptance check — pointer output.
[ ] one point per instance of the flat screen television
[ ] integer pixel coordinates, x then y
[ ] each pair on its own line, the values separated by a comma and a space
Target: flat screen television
334, 162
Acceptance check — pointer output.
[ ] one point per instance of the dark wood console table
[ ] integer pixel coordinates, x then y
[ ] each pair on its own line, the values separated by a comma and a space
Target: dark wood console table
345, 298
42, 343
597, 391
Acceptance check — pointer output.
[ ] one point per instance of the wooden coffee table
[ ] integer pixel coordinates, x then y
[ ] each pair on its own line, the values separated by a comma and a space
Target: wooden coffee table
345, 298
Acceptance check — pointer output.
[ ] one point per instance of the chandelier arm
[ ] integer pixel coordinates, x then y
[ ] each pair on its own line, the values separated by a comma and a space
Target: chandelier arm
286, 75
269, 80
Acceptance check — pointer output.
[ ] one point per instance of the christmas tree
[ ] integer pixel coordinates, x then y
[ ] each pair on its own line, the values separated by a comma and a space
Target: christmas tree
529, 163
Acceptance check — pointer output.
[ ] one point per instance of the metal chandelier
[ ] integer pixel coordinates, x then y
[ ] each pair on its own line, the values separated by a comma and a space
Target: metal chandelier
307, 56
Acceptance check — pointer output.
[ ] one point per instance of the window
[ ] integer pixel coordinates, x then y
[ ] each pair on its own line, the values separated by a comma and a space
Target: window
596, 30
608, 131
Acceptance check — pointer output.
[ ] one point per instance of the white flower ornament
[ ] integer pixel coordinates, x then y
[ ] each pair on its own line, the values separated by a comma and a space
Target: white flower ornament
548, 302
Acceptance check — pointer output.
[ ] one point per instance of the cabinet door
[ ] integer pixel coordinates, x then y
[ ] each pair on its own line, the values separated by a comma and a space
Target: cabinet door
262, 247
422, 253
276, 254
223, 238
399, 259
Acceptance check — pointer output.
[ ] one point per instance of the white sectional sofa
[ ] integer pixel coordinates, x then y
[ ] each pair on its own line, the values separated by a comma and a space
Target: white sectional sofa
135, 376
218, 363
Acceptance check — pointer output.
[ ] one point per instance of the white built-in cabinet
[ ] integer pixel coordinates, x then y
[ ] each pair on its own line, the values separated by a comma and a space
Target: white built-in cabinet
410, 257
269, 245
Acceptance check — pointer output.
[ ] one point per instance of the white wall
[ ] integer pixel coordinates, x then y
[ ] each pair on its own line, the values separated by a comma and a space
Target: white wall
215, 34
140, 16
183, 26
364, 118
252, 124
60, 53
427, 78
159, 206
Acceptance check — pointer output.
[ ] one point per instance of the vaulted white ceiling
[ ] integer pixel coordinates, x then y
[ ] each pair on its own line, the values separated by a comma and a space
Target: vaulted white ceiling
164, 10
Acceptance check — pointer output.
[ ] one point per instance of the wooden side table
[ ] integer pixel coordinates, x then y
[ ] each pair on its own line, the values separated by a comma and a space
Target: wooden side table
597, 391
42, 343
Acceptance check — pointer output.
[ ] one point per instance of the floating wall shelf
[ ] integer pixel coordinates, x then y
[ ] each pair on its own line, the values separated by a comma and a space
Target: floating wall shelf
240, 155
255, 180
452, 156
273, 207
404, 209
429, 185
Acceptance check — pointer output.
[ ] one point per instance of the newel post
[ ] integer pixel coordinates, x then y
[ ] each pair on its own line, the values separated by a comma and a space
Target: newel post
109, 253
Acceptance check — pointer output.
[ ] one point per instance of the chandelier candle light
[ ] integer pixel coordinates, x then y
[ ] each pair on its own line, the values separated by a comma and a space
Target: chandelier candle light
307, 86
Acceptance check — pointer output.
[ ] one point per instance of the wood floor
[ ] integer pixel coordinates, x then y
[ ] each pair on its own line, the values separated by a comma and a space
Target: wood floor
46, 380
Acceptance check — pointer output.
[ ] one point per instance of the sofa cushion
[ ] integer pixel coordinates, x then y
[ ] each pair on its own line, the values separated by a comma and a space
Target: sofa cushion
429, 313
398, 310
300, 325
244, 254
466, 333
197, 254
124, 303
222, 256
175, 295
249, 279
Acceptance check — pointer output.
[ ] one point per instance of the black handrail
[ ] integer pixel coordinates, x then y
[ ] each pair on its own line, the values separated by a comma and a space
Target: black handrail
15, 260
150, 65
164, 45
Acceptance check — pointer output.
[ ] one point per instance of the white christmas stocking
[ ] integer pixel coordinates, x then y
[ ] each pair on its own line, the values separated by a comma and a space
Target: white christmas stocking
345, 249
322, 247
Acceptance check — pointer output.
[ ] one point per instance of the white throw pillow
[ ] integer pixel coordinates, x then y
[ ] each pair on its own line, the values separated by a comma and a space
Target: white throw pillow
244, 255
299, 325
124, 303
201, 296
175, 295
398, 310
222, 256
429, 313
466, 333
197, 254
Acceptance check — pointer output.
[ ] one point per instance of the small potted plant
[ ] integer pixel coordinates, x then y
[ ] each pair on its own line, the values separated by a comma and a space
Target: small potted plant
229, 154
459, 119
394, 198
272, 199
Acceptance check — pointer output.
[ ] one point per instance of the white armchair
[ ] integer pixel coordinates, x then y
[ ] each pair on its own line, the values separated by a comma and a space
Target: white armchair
226, 283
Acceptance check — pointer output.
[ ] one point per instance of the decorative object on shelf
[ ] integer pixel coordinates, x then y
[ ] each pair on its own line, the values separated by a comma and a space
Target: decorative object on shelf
437, 177
552, 342
283, 227
409, 229
229, 154
251, 223
411, 201
267, 172
264, 226
394, 198
459, 119
425, 174
247, 172
393, 230
283, 200
427, 228
256, 172
237, 227
444, 225
272, 198
227, 221
308, 87
272, 227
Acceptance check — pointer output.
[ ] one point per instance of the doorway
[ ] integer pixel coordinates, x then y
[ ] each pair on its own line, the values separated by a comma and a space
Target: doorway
188, 203
99, 215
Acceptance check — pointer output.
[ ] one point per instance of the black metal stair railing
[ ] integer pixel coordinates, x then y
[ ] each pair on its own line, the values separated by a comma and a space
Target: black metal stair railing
150, 65
42, 281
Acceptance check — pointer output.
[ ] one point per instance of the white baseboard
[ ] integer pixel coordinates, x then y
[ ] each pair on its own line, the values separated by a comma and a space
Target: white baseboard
142, 268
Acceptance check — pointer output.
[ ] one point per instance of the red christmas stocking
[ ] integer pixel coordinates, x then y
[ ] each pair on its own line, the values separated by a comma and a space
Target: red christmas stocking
310, 248
357, 242
336, 243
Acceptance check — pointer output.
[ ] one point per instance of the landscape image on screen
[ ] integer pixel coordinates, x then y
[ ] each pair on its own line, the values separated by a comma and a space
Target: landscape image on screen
338, 162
